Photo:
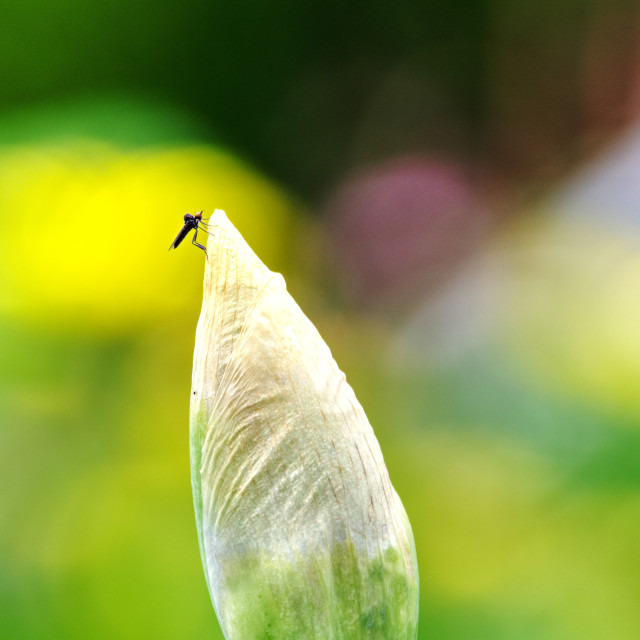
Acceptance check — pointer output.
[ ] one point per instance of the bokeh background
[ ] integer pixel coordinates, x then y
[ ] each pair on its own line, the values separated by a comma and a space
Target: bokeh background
452, 190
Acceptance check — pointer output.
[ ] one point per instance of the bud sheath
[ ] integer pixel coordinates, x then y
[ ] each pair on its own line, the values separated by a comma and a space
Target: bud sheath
301, 532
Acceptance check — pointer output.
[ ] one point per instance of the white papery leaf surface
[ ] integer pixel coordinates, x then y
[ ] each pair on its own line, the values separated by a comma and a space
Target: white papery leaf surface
301, 532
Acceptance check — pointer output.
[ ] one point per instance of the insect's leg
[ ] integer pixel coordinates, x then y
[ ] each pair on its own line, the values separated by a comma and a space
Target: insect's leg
193, 241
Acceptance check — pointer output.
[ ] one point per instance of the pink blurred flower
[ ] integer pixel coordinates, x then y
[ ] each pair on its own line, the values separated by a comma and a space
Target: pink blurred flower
401, 228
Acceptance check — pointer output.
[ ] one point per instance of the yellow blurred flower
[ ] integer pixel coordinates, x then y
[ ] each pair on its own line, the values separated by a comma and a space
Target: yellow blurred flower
87, 226
573, 310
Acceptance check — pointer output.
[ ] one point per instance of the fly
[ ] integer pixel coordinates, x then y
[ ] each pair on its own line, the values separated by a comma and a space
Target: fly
191, 222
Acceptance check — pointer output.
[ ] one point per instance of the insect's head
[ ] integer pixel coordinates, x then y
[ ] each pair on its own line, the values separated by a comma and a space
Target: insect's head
198, 215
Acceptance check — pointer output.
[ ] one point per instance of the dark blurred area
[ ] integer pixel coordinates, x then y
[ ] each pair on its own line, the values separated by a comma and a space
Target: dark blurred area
309, 90
287, 84
451, 191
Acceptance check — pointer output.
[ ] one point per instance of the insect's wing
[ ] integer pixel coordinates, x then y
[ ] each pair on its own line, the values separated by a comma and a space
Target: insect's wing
181, 236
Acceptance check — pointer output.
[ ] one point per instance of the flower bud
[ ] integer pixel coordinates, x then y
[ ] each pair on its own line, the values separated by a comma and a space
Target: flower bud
301, 532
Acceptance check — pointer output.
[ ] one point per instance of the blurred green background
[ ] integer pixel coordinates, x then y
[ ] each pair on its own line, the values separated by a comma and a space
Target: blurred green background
451, 190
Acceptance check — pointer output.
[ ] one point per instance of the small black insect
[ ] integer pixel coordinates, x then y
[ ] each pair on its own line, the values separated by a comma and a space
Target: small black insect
191, 222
